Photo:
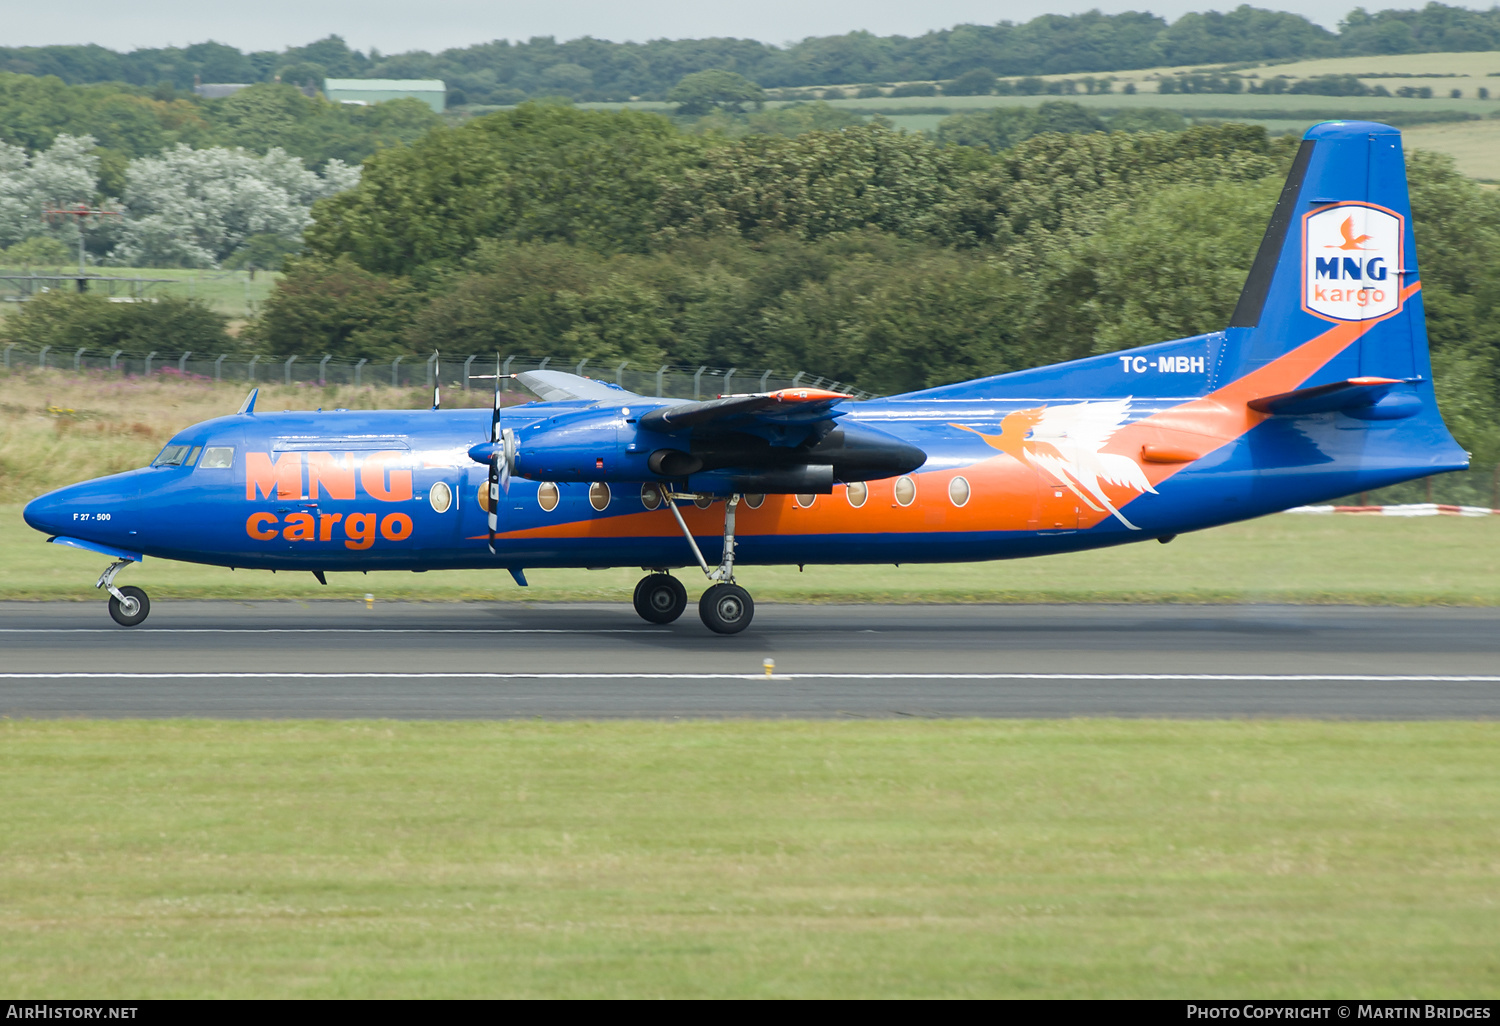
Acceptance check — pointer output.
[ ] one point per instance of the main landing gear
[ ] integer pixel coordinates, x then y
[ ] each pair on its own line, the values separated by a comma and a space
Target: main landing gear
725, 608
128, 606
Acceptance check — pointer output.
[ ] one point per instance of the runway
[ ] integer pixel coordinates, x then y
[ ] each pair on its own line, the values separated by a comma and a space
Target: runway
504, 660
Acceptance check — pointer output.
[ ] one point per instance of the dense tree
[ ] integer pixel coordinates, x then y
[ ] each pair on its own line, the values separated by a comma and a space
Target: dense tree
502, 72
715, 89
71, 321
539, 172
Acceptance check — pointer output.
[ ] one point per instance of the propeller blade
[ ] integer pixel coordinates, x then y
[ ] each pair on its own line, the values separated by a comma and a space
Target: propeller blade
495, 461
506, 456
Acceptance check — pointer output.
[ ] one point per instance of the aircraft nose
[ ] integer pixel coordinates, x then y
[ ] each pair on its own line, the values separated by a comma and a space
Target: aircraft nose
45, 513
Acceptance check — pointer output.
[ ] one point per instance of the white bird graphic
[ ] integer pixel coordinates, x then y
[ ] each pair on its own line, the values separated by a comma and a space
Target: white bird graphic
1065, 441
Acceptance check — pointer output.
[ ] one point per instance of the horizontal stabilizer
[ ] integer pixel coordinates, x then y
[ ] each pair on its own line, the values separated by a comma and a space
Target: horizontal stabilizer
557, 386
1350, 394
788, 406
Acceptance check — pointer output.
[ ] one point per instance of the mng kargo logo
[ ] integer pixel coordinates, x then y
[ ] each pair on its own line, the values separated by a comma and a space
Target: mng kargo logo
1351, 261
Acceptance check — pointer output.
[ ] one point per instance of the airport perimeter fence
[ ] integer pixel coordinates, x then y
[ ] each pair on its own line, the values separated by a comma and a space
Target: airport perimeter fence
695, 382
1478, 486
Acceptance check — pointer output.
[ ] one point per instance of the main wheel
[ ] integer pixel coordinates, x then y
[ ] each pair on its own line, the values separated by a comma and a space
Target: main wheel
660, 598
726, 609
133, 610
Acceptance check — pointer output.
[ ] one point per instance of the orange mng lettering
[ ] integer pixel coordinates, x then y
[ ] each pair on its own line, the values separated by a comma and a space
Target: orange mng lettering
329, 476
262, 477
359, 528
325, 525
299, 527
372, 474
396, 527
254, 528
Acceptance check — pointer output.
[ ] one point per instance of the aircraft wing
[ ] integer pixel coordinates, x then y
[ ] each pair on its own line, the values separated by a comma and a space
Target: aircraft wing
786, 407
554, 386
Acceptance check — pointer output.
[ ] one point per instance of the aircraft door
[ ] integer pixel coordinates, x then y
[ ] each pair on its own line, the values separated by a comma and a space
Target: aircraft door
1057, 505
445, 500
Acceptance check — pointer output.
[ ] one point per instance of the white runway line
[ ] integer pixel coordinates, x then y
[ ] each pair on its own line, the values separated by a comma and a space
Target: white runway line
487, 675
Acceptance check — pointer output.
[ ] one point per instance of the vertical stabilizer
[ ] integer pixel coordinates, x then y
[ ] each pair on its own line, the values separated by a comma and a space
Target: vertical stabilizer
1339, 251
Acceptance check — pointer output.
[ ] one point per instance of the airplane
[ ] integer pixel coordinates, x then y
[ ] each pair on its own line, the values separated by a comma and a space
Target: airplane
1320, 386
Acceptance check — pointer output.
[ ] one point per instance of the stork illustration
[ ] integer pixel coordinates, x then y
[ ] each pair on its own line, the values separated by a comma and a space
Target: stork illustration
1350, 241
1065, 441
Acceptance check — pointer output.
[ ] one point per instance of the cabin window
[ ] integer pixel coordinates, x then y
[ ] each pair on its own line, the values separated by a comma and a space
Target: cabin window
651, 495
958, 491
217, 457
754, 499
441, 497
857, 493
703, 501
547, 496
171, 456
806, 501
599, 495
906, 491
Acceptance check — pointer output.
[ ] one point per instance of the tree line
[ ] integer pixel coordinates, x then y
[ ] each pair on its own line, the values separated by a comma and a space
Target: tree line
889, 260
881, 258
504, 72
128, 121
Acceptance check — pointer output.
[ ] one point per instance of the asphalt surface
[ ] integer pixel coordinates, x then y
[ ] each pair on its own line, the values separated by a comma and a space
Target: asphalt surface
472, 660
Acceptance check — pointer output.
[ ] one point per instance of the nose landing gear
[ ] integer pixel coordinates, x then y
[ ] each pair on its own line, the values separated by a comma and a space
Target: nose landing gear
128, 606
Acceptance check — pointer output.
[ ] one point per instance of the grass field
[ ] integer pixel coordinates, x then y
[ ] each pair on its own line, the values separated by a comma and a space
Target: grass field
57, 428
230, 292
1080, 858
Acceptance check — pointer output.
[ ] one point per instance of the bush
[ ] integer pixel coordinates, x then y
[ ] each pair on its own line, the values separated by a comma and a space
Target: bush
40, 250
915, 89
72, 321
979, 82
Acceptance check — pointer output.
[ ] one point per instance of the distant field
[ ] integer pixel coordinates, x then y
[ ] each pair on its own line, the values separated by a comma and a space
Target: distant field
230, 292
1474, 145
1081, 858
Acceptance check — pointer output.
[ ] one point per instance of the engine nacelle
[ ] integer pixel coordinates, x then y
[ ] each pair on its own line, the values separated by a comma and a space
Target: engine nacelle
585, 445
597, 444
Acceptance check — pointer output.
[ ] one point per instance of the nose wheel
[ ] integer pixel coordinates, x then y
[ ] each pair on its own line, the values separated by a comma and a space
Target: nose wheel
128, 606
660, 598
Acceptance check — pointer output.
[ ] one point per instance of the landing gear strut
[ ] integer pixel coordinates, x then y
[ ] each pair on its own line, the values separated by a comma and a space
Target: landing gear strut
725, 607
129, 605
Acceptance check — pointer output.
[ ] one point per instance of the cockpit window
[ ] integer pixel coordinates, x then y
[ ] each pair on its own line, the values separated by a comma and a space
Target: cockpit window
217, 457
171, 456
193, 456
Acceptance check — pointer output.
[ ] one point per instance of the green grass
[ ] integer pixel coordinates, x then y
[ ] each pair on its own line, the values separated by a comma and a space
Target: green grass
230, 292
1080, 858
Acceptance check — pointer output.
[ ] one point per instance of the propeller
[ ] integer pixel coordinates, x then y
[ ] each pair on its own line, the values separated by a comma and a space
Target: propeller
437, 379
497, 460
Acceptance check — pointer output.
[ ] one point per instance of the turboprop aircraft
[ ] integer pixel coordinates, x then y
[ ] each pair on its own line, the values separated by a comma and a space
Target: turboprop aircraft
1320, 386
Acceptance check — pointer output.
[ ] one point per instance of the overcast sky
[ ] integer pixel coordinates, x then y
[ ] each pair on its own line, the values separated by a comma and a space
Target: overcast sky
396, 25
